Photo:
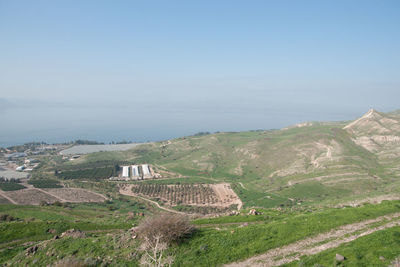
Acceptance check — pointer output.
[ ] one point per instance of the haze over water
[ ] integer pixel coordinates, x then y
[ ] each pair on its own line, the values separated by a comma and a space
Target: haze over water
55, 124
141, 71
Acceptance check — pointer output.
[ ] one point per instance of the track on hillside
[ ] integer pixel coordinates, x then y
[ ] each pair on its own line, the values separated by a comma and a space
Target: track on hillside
321, 242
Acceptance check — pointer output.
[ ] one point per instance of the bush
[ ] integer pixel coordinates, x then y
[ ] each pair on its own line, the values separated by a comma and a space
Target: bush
168, 227
6, 218
10, 186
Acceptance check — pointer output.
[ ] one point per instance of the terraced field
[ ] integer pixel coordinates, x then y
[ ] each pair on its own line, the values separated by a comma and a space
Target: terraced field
219, 195
35, 196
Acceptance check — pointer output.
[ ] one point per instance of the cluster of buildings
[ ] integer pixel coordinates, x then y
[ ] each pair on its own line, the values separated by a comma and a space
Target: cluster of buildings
19, 161
137, 172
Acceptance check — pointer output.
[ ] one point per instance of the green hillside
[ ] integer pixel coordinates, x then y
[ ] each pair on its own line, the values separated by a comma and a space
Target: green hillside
302, 179
309, 163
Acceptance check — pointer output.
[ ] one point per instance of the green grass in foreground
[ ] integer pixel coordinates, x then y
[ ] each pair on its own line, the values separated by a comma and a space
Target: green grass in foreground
33, 223
94, 250
211, 247
214, 244
364, 251
33, 231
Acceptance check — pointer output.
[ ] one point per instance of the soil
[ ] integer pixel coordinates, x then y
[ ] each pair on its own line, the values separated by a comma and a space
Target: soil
35, 196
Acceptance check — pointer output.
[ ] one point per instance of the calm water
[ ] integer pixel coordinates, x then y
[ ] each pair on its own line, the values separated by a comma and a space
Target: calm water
62, 124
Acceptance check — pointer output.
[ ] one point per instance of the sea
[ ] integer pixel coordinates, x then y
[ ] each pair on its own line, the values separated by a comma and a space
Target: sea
54, 124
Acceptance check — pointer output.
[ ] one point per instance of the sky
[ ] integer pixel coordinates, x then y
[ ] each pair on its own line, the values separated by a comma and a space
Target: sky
152, 70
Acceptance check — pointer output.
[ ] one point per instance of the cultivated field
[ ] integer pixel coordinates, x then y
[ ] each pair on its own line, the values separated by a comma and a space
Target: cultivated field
35, 196
76, 195
217, 195
30, 197
3, 200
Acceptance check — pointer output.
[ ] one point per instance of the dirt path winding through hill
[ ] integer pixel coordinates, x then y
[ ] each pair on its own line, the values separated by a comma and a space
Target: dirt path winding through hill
48, 193
127, 191
321, 242
7, 197
242, 185
319, 178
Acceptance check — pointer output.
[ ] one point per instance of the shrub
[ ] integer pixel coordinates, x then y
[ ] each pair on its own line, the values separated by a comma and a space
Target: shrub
165, 226
10, 186
6, 218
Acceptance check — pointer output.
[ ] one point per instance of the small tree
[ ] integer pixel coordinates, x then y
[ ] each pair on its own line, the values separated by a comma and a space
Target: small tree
154, 252
157, 233
165, 227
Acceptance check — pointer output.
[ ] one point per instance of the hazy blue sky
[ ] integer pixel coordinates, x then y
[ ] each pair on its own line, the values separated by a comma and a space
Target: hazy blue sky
144, 70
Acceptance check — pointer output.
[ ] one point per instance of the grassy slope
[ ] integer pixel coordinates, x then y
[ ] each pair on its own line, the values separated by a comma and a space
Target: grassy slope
252, 157
211, 246
274, 166
247, 160
33, 222
218, 241
365, 251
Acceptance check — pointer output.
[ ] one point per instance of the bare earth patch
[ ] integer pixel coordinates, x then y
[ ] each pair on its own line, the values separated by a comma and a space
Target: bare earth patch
35, 196
30, 197
226, 195
321, 242
4, 200
76, 195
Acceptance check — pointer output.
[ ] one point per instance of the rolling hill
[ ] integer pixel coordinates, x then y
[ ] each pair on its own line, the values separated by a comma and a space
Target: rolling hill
311, 163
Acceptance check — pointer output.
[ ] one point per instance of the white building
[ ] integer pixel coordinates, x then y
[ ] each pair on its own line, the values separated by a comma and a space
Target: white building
20, 168
135, 171
125, 171
146, 171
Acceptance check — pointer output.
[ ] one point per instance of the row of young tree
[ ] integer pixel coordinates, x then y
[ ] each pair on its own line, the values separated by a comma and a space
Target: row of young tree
179, 194
9, 180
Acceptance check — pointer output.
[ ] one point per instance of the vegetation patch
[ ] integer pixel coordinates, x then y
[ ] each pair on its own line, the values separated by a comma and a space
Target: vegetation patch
11, 186
204, 209
45, 183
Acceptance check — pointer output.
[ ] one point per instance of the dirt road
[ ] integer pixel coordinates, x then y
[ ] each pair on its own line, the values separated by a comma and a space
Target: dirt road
7, 197
321, 242
226, 195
